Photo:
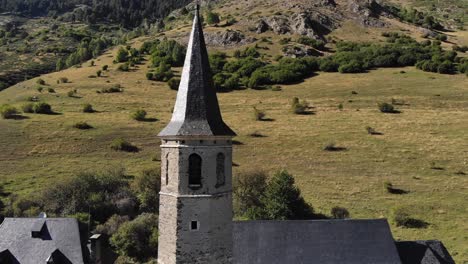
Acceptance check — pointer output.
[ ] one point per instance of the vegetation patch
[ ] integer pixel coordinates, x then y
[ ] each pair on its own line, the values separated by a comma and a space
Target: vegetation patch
121, 144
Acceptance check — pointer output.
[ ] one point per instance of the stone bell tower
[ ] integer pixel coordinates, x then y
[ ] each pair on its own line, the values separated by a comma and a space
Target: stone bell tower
195, 211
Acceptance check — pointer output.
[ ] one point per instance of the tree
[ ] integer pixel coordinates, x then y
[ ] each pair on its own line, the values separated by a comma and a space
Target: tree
137, 239
248, 190
147, 187
283, 200
60, 65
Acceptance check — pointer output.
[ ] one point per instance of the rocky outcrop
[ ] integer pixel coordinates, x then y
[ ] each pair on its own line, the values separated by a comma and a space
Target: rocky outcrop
368, 12
299, 51
306, 24
227, 38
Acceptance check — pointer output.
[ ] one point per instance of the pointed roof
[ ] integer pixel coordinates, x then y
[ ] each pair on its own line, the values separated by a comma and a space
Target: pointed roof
196, 112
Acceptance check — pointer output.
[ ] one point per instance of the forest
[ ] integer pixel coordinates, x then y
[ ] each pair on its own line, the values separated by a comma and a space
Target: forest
129, 13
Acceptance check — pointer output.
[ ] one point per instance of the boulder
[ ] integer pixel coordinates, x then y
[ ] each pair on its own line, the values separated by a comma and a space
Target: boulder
227, 38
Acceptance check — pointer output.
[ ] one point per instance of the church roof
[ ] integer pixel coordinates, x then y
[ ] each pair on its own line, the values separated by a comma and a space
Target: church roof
314, 241
423, 252
196, 112
35, 240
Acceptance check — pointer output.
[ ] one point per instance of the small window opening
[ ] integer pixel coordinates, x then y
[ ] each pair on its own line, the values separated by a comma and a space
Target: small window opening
167, 169
194, 225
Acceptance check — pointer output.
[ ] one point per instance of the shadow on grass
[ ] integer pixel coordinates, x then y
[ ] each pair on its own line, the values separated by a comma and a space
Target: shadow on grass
18, 117
235, 164
149, 120
237, 142
267, 120
393, 190
415, 223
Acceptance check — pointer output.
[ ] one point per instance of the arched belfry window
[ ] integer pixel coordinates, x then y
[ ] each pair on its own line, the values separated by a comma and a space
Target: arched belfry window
220, 170
195, 168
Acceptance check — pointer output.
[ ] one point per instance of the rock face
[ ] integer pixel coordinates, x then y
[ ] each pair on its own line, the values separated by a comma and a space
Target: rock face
368, 12
296, 51
227, 38
305, 24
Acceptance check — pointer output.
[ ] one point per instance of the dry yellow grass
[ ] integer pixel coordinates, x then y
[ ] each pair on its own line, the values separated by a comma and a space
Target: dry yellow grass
432, 128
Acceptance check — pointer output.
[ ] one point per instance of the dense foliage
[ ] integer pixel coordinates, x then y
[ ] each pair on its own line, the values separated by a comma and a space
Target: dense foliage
128, 13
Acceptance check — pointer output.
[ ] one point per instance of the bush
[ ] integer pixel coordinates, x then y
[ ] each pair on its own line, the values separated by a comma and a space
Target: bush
339, 213
174, 83
259, 115
82, 126
40, 89
352, 67
387, 108
125, 67
28, 108
316, 44
105, 67
101, 194
111, 226
88, 108
43, 108
212, 18
99, 73
139, 115
299, 108
71, 93
122, 55
63, 80
41, 82
113, 89
121, 144
328, 65
137, 239
8, 111
51, 90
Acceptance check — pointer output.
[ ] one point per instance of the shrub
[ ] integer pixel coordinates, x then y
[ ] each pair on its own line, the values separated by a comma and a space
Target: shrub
139, 115
339, 212
387, 108
113, 89
298, 107
212, 18
41, 82
28, 108
122, 55
88, 108
402, 218
149, 76
99, 73
42, 108
82, 126
71, 93
328, 65
174, 83
352, 67
259, 115
40, 89
316, 44
105, 67
63, 80
125, 67
111, 226
121, 144
51, 90
333, 147
137, 239
8, 111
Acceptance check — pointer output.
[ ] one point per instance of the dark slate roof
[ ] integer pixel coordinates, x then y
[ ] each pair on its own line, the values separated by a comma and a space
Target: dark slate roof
424, 252
57, 238
196, 112
314, 241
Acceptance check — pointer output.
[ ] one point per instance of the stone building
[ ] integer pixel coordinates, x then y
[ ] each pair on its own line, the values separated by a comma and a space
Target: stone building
195, 220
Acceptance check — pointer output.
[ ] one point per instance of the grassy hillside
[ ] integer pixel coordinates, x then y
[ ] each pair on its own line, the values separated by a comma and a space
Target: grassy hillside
430, 132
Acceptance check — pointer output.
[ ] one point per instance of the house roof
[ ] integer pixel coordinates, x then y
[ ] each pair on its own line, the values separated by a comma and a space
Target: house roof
315, 241
196, 112
35, 240
424, 252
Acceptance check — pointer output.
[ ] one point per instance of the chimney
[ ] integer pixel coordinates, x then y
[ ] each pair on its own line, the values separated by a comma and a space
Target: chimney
96, 249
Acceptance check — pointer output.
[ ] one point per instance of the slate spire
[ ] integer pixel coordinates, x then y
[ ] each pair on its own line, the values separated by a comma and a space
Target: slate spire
196, 112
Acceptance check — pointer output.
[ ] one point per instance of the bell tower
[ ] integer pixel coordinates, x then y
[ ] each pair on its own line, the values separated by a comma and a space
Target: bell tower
195, 211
